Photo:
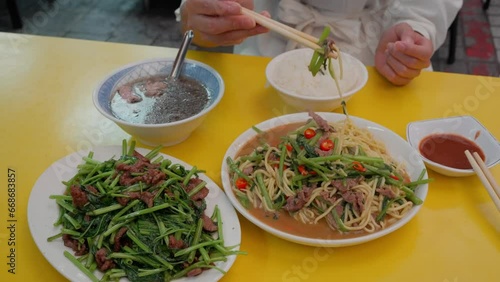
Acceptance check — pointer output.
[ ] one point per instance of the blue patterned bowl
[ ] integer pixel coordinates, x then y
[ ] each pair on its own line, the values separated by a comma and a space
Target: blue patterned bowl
165, 134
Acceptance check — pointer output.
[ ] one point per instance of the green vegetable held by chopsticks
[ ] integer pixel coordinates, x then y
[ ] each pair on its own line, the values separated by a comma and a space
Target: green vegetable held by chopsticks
321, 61
320, 57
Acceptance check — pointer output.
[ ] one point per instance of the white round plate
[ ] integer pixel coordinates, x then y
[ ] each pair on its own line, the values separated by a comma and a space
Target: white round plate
43, 212
397, 147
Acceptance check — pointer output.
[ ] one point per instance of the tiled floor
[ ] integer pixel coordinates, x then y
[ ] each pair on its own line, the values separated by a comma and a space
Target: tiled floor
475, 51
129, 21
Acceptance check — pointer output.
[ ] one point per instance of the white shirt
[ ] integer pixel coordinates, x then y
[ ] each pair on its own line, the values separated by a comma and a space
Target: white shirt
356, 25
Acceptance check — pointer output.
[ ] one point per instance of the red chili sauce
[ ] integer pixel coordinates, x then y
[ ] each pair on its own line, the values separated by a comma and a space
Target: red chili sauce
448, 149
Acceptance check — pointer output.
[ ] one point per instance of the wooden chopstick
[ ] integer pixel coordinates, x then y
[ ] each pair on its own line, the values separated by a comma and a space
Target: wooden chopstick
485, 176
287, 31
487, 173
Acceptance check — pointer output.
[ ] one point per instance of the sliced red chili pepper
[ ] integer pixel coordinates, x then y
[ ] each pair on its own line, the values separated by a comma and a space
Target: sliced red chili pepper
309, 133
312, 172
358, 166
241, 184
302, 170
326, 145
289, 147
394, 177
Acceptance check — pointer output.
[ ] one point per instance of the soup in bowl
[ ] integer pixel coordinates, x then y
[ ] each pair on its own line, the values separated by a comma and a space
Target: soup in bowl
157, 110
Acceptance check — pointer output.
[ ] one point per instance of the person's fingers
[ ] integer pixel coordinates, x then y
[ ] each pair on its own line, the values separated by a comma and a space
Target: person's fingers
227, 30
413, 49
217, 25
402, 53
401, 69
405, 32
232, 37
422, 49
399, 52
213, 8
386, 71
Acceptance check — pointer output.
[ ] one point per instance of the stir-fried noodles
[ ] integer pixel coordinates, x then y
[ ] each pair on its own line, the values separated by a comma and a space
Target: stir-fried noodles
335, 173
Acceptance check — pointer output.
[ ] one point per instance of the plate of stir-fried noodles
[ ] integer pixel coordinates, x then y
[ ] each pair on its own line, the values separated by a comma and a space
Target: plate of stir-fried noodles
324, 179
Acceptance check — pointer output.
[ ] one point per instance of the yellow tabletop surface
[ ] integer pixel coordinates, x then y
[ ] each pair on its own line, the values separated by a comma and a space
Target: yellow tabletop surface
46, 113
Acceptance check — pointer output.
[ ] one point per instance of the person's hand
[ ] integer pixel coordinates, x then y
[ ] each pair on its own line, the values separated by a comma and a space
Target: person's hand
402, 53
219, 22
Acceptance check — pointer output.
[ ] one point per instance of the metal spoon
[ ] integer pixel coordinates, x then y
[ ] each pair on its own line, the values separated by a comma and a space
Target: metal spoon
181, 54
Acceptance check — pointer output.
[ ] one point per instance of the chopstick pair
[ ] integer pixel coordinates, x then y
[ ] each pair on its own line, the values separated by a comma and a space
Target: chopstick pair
287, 31
485, 176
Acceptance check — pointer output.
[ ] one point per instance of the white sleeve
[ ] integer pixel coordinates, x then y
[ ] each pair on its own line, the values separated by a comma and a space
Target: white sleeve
430, 18
178, 12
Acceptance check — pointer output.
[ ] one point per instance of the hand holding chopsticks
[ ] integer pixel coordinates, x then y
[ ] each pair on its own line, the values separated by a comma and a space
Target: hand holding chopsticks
485, 176
288, 32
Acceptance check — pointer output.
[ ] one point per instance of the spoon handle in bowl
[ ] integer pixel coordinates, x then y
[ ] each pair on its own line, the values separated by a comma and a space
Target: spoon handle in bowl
181, 54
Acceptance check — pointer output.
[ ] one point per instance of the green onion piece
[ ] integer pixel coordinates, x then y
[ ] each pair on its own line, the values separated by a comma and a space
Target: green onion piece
339, 222
386, 203
196, 239
73, 221
263, 191
140, 244
131, 149
195, 247
233, 167
410, 195
66, 206
81, 267
105, 210
281, 166
153, 153
189, 175
52, 238
124, 147
197, 188
143, 212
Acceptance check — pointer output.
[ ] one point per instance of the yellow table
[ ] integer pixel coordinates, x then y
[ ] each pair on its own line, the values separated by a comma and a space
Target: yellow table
46, 113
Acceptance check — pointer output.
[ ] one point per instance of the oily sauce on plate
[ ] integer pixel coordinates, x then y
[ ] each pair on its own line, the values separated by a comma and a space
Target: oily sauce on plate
448, 149
284, 222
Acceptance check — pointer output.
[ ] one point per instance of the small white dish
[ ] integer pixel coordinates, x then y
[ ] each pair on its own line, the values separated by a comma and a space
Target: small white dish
466, 126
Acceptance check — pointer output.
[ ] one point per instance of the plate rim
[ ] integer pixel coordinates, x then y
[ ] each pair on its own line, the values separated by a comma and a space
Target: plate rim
59, 263
297, 117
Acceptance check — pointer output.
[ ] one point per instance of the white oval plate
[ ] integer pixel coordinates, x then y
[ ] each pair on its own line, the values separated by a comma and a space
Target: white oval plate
43, 212
396, 146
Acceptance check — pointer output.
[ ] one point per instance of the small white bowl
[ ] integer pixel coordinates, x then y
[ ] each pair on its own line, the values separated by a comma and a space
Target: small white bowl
466, 126
166, 134
288, 74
